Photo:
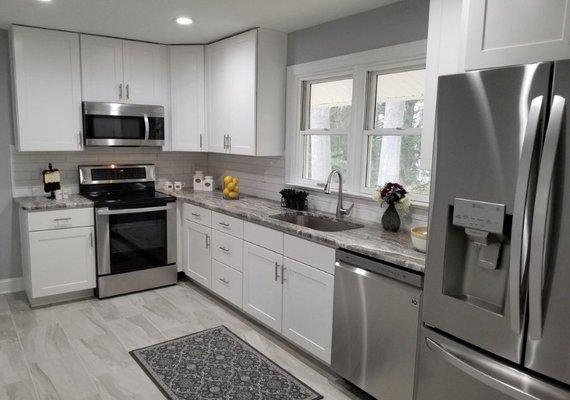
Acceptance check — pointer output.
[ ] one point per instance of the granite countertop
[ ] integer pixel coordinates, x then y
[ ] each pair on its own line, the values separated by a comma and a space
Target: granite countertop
42, 203
371, 240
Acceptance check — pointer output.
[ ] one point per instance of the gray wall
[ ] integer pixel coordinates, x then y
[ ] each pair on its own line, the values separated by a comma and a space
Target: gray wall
401, 22
9, 233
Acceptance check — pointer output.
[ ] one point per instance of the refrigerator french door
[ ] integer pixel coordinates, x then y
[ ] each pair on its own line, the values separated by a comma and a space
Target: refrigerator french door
496, 306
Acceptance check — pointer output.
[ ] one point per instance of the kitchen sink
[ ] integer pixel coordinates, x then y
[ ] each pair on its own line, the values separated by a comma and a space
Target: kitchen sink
316, 221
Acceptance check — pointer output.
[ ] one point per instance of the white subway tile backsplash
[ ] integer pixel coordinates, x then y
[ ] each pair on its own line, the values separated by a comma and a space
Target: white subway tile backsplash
259, 176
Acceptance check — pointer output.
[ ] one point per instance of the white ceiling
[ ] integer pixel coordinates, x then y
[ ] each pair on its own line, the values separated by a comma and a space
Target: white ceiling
153, 20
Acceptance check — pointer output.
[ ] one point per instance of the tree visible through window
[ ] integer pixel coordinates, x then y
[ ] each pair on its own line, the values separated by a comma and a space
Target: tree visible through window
329, 118
394, 142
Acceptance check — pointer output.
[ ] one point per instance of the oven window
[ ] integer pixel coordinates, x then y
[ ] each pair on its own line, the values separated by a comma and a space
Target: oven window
114, 127
138, 241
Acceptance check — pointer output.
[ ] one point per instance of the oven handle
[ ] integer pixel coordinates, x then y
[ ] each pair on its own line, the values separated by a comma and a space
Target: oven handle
106, 211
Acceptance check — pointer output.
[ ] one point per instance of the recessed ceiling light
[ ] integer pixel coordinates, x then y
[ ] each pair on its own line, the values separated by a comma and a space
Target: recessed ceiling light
44, 1
184, 20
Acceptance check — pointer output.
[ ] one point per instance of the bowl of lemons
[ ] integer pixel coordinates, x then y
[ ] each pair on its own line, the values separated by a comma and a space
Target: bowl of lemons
231, 187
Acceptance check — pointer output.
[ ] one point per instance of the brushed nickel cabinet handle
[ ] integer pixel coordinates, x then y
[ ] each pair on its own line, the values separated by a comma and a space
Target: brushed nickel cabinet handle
224, 281
128, 91
120, 91
224, 249
224, 224
276, 271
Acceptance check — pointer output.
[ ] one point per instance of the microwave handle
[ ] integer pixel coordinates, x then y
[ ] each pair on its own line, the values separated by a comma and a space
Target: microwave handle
146, 127
106, 211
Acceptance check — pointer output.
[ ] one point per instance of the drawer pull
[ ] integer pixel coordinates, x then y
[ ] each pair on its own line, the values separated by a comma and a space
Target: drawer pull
224, 281
224, 224
62, 219
196, 215
224, 249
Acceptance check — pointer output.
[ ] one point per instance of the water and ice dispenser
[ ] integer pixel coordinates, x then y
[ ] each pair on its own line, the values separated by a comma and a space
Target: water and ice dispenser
477, 256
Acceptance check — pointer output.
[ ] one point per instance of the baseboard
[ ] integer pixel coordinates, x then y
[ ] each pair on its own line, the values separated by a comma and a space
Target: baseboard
11, 285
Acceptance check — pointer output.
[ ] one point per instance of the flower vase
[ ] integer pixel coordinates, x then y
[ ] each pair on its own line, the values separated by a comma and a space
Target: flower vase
391, 219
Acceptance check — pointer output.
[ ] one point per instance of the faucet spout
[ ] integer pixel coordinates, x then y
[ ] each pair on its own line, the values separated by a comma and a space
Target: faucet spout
340, 210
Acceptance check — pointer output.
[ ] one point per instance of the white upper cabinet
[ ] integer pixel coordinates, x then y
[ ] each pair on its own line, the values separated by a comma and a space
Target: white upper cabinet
102, 69
124, 71
187, 98
145, 72
47, 89
245, 93
501, 33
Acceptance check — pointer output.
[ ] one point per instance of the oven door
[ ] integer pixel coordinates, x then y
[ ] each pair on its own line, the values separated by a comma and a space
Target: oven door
134, 239
115, 124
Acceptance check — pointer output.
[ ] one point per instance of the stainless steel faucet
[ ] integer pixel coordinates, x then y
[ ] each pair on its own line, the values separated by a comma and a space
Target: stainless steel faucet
340, 210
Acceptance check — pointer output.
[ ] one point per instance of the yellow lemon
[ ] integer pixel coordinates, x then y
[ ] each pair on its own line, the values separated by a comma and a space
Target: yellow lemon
226, 192
228, 179
236, 180
233, 195
230, 186
236, 189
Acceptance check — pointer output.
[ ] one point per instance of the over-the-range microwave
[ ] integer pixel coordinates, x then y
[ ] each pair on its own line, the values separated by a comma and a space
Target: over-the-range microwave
116, 124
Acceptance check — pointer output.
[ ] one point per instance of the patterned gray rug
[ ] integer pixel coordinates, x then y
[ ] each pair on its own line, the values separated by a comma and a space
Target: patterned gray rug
216, 364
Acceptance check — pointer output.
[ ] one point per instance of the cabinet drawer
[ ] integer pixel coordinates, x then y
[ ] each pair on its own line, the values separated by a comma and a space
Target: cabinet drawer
264, 237
59, 219
227, 249
310, 253
197, 214
225, 223
227, 283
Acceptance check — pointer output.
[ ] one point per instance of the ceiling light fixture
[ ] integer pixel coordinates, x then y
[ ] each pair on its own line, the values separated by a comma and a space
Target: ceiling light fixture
44, 1
184, 21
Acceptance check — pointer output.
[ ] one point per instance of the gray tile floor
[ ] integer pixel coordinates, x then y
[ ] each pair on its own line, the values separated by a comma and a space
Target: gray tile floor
79, 350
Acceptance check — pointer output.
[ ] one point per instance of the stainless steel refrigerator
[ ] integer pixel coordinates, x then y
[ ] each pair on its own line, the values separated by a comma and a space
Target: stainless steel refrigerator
496, 306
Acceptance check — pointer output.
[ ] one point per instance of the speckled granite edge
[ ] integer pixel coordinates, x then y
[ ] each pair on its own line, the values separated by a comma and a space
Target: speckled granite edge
42, 203
371, 240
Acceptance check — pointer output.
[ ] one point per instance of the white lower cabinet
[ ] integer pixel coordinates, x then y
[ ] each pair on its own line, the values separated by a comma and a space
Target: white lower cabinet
227, 283
308, 308
58, 254
262, 288
196, 259
73, 268
282, 281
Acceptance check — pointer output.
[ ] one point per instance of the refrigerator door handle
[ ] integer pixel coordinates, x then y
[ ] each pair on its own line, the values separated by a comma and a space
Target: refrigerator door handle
540, 224
520, 213
496, 375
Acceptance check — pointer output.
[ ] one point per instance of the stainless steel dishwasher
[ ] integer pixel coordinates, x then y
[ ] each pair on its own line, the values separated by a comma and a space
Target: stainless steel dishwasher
375, 325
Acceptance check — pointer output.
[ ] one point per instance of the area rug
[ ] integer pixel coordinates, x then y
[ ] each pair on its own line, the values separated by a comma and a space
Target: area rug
216, 364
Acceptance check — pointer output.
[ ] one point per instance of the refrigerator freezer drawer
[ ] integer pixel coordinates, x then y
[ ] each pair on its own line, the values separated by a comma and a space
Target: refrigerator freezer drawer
449, 370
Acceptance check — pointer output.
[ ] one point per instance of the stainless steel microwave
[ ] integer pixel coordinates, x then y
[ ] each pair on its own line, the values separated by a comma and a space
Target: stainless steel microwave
116, 124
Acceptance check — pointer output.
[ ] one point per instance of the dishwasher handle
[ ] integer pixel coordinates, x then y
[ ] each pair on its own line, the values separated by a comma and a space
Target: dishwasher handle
366, 266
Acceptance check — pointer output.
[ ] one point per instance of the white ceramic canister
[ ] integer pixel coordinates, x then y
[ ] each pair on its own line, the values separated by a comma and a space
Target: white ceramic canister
198, 181
209, 183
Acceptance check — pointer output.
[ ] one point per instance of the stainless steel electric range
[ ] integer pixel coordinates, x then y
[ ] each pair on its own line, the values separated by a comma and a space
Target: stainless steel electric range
135, 228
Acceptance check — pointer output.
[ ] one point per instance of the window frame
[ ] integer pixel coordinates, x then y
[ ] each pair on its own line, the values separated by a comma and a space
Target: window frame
364, 67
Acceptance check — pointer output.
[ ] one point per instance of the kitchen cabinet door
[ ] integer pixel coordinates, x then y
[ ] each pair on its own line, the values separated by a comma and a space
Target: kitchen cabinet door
262, 288
71, 270
102, 69
308, 308
145, 68
500, 33
187, 98
231, 94
47, 89
196, 252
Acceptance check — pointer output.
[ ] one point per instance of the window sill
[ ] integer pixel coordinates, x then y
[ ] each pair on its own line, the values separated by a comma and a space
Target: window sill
422, 205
